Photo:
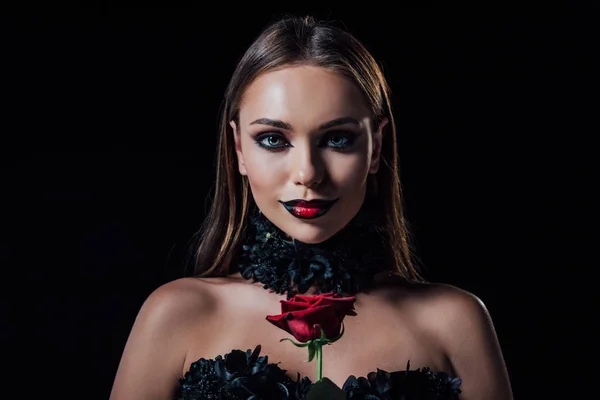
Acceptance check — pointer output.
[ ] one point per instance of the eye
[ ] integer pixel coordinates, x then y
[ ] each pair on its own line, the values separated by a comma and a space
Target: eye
271, 141
340, 139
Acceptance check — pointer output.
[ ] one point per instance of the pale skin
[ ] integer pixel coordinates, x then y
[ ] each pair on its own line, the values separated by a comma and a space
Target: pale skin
432, 325
318, 163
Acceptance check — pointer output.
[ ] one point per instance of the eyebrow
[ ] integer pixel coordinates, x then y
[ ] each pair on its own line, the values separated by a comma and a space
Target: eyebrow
276, 123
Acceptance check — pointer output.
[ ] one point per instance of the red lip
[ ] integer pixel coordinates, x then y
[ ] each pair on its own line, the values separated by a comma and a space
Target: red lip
308, 209
309, 203
307, 212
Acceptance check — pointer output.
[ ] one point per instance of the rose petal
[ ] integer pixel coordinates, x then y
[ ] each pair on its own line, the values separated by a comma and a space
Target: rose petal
288, 305
278, 320
303, 325
302, 315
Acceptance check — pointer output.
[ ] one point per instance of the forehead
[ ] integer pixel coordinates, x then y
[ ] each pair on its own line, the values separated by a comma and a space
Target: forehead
304, 96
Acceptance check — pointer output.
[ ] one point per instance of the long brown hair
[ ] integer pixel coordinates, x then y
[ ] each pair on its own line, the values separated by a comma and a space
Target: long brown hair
289, 41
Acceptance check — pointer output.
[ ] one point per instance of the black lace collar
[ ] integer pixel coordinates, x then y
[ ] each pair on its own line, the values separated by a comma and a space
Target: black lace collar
345, 264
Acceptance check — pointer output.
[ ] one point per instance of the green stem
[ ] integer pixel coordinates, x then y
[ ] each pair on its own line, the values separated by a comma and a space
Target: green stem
319, 362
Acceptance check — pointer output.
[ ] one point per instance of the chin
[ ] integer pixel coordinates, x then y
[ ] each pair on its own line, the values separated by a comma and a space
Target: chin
312, 237
310, 234
312, 231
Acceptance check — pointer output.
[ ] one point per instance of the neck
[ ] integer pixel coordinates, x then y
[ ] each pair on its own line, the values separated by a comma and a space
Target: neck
345, 264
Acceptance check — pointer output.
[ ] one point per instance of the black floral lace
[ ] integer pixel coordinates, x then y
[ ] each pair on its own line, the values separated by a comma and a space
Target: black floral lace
247, 376
346, 263
421, 384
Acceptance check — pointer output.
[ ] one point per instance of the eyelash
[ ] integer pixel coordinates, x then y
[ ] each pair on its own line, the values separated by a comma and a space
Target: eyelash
350, 137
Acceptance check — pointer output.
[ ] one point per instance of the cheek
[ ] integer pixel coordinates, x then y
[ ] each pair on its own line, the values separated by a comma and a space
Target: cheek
260, 168
348, 171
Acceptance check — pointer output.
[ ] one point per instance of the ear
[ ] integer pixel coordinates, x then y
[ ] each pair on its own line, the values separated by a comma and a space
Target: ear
377, 141
238, 148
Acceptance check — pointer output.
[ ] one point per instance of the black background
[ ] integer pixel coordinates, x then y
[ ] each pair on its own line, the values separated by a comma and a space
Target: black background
109, 124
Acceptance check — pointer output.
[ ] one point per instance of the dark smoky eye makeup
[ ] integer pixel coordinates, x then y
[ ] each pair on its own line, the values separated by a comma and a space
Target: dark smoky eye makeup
271, 140
339, 140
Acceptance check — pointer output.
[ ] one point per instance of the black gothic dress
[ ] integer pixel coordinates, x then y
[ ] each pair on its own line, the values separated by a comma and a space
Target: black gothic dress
247, 375
345, 263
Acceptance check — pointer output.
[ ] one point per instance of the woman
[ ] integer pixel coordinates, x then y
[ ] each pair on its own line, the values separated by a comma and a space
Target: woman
308, 200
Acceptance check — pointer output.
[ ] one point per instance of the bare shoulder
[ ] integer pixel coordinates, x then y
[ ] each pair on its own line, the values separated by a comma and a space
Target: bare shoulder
178, 297
445, 304
434, 308
463, 328
445, 311
425, 296
176, 305
458, 323
157, 344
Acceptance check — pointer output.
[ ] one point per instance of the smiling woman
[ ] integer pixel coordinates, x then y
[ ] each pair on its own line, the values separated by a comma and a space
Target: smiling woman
311, 147
308, 200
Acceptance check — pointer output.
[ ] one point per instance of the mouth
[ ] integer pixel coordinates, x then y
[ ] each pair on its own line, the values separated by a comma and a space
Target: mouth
308, 209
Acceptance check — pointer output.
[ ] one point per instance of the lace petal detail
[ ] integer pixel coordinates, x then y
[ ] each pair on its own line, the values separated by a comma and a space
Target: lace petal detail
347, 262
248, 376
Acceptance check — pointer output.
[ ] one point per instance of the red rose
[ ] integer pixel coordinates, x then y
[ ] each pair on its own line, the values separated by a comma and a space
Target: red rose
301, 316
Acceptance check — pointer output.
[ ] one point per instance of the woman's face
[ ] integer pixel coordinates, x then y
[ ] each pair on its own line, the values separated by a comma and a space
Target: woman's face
304, 135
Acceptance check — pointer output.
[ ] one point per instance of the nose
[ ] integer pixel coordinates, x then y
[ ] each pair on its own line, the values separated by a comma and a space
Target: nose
307, 169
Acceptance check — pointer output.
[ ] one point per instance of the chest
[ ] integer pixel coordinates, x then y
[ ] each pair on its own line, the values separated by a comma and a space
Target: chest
377, 337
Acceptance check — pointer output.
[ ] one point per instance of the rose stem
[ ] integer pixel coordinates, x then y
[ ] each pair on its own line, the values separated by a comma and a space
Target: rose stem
319, 362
